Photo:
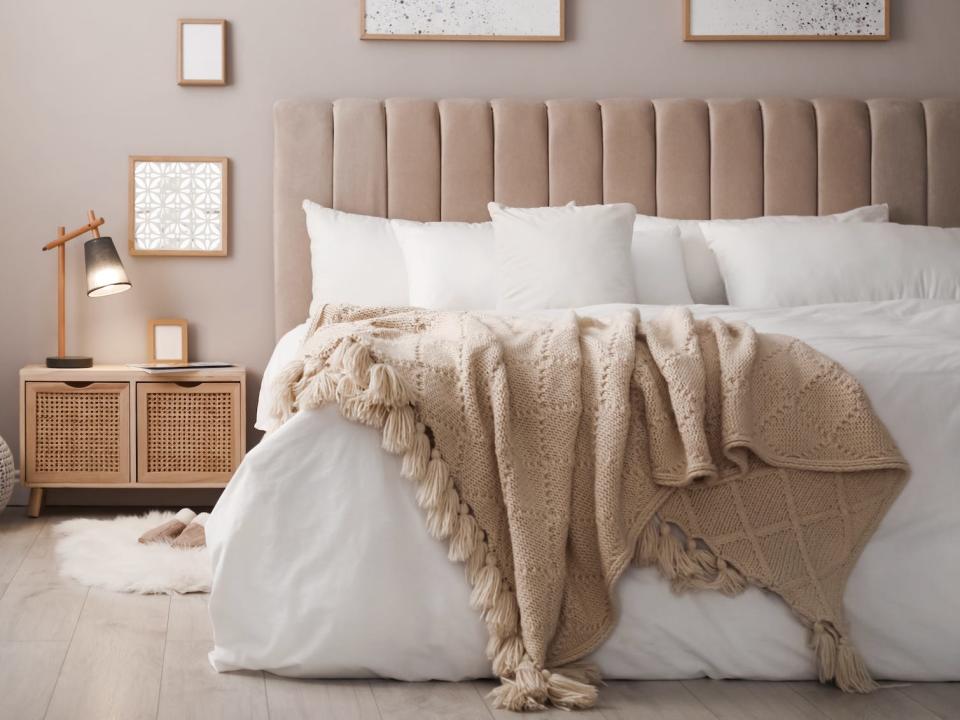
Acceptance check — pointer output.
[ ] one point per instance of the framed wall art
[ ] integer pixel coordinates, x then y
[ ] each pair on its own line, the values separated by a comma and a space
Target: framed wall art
178, 205
201, 52
705, 20
498, 20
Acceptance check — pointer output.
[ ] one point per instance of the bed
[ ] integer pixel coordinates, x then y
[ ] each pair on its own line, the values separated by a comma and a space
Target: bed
317, 542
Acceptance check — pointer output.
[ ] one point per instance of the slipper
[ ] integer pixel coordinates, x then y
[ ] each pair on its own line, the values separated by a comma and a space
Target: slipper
170, 529
194, 535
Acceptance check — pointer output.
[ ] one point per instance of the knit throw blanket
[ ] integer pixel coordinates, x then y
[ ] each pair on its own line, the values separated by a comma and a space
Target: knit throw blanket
553, 452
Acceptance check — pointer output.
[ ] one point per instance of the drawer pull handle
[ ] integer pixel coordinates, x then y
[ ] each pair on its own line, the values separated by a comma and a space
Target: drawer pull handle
187, 384
78, 383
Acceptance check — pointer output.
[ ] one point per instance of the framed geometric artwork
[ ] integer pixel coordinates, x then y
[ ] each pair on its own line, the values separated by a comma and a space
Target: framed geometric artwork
706, 20
178, 205
496, 20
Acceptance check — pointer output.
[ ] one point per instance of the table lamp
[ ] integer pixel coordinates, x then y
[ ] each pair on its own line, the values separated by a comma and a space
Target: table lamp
105, 276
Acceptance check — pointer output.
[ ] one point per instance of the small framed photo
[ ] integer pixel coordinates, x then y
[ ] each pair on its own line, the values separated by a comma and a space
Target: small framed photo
201, 52
167, 341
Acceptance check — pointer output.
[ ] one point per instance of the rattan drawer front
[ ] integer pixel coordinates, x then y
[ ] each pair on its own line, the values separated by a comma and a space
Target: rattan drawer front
77, 432
187, 433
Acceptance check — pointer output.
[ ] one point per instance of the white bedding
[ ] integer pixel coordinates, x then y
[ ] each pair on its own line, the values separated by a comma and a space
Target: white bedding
322, 565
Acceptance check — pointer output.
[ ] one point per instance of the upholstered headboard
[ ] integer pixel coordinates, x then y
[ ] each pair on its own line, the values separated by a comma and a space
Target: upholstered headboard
426, 160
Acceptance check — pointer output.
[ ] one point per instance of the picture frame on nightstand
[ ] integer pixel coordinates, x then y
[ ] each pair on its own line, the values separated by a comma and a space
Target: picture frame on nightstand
167, 341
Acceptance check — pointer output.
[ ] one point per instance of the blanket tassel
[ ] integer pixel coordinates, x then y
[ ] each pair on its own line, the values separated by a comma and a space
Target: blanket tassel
689, 567
838, 661
374, 394
531, 689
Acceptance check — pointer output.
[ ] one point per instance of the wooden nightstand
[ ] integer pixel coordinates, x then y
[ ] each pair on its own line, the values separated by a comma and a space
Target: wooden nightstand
112, 426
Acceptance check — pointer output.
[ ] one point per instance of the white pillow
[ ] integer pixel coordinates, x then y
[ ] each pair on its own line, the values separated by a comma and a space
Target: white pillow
703, 275
563, 257
355, 259
659, 272
450, 265
788, 264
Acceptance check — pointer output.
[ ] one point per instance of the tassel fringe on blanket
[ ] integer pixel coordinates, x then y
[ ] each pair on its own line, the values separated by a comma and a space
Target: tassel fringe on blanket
374, 393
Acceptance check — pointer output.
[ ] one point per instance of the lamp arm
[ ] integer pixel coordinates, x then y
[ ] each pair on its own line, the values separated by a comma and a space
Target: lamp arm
63, 239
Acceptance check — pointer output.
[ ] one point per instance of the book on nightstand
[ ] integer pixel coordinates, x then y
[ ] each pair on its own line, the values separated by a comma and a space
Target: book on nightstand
178, 367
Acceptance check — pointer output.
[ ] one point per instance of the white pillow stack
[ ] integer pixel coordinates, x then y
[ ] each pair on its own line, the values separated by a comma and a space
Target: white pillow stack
567, 257
559, 257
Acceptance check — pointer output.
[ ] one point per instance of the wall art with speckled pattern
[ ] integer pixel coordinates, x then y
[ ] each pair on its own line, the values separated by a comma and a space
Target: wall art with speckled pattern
787, 19
524, 20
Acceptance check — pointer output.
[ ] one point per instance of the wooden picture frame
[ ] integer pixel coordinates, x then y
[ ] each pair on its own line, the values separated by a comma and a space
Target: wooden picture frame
560, 37
158, 351
688, 35
137, 245
196, 69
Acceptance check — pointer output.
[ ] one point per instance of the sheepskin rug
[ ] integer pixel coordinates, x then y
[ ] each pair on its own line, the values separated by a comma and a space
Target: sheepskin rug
106, 554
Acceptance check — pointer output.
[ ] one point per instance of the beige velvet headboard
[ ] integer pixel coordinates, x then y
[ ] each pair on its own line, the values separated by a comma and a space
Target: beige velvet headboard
427, 160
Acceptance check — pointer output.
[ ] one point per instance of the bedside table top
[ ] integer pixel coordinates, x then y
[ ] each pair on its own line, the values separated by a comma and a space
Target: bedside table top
115, 373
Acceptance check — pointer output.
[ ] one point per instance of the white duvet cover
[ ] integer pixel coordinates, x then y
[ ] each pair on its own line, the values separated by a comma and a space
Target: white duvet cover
323, 567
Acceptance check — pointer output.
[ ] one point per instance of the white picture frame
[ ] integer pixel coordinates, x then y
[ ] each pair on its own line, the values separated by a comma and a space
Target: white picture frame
201, 52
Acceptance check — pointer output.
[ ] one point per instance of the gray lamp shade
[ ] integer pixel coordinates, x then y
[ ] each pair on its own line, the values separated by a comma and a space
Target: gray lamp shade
105, 273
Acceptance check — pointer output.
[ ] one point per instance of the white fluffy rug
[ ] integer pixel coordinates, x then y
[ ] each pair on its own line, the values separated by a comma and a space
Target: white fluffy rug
106, 554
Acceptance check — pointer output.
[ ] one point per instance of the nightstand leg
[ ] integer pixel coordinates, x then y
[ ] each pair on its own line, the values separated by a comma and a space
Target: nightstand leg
36, 502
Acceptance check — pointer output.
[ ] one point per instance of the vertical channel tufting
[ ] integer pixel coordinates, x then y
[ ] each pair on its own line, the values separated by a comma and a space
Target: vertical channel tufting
576, 152
521, 168
736, 159
843, 155
683, 159
360, 157
466, 160
630, 153
943, 162
413, 159
302, 168
789, 157
899, 173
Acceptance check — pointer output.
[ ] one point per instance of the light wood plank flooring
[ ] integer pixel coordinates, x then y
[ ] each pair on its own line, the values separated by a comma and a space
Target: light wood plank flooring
71, 652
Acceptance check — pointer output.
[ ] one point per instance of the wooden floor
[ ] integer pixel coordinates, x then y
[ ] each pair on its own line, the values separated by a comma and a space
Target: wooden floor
73, 653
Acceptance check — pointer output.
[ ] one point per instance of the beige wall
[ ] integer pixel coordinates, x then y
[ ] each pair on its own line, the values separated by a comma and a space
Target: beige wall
84, 84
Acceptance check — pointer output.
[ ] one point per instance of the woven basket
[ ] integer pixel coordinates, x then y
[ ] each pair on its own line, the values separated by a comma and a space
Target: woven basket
6, 474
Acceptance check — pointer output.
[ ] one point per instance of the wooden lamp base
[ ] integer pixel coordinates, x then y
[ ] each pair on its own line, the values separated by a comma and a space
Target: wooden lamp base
69, 361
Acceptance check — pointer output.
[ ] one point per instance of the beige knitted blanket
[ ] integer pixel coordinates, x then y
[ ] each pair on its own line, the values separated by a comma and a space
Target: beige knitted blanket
552, 452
